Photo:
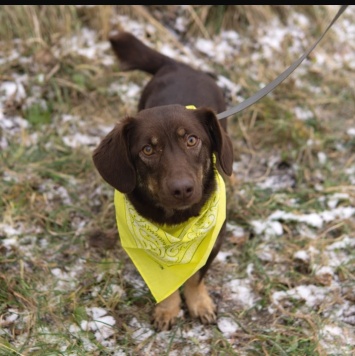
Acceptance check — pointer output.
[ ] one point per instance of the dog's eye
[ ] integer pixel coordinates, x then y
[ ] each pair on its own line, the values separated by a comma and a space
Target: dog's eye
191, 140
148, 150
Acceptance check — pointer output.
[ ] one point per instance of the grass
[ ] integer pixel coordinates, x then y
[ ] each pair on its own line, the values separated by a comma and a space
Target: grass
55, 273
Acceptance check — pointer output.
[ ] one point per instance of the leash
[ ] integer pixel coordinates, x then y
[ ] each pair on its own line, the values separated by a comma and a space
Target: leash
271, 86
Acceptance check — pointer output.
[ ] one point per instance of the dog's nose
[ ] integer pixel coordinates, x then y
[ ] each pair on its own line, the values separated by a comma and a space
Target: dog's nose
181, 189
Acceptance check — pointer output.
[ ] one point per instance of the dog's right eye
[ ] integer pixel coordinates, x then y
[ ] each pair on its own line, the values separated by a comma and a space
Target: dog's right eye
148, 150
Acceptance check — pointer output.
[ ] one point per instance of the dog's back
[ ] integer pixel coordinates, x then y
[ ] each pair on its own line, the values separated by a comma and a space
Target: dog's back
172, 83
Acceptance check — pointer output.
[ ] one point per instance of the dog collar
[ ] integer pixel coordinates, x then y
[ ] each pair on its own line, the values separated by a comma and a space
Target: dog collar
166, 256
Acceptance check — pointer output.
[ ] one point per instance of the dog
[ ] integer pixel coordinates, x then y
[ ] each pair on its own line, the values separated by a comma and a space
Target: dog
167, 164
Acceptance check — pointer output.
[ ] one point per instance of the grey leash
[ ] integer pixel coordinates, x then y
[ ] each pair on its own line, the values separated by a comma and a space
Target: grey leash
271, 86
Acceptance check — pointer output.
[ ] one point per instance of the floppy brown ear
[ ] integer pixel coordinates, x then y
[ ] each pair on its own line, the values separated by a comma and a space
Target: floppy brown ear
112, 158
221, 142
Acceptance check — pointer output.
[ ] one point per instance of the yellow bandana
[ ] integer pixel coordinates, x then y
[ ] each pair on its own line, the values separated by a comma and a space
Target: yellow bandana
166, 256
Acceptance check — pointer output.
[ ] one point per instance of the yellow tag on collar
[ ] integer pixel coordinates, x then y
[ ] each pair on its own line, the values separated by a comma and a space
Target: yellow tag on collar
166, 256
190, 107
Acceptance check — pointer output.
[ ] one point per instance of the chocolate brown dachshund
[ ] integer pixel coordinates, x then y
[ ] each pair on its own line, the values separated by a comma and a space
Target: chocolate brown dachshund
165, 163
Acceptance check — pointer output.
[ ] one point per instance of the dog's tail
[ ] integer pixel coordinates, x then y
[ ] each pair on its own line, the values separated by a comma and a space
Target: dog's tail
134, 54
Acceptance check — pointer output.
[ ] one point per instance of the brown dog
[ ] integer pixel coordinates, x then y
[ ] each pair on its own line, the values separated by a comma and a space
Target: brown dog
162, 163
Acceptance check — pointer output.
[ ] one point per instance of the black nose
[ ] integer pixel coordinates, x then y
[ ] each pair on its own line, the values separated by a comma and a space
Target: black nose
181, 189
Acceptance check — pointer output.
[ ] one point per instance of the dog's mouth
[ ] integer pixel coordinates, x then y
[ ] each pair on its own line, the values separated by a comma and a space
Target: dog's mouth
173, 205
182, 208
170, 211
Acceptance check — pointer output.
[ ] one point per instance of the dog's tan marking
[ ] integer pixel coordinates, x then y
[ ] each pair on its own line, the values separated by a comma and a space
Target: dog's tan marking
154, 140
152, 185
198, 301
201, 173
166, 312
181, 132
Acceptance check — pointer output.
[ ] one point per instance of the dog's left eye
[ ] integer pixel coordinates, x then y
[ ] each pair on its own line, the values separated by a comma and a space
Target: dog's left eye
191, 140
148, 150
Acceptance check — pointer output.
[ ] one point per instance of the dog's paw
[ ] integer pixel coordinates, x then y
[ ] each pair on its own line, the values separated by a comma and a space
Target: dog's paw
163, 318
166, 312
203, 308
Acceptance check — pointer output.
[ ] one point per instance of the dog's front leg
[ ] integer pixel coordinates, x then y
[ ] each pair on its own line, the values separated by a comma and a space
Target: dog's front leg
166, 312
198, 301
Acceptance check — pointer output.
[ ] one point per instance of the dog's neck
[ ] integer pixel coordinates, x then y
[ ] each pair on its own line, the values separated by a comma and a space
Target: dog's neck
161, 215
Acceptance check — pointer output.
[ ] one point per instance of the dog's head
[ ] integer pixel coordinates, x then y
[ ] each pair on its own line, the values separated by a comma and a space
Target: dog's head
165, 153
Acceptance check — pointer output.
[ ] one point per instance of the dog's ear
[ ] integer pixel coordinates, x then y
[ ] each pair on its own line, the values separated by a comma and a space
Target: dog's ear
221, 142
112, 158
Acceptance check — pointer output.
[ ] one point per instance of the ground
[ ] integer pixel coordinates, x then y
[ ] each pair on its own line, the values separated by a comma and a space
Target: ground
284, 279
